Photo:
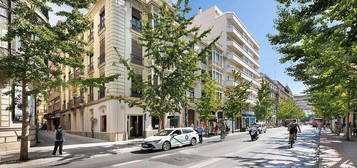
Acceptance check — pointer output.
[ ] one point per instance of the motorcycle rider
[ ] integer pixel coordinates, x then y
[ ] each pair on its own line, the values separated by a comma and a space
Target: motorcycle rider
293, 128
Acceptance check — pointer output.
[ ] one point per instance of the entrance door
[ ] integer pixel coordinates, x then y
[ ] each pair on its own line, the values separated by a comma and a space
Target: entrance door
191, 117
136, 126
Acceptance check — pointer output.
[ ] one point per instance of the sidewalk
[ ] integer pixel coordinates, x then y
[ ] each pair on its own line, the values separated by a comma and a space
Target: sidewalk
336, 152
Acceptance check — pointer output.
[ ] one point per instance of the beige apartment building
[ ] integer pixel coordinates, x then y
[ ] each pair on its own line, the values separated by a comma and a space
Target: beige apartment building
117, 24
239, 52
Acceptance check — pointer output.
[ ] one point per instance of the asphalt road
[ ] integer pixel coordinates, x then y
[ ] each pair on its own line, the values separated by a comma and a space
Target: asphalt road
270, 150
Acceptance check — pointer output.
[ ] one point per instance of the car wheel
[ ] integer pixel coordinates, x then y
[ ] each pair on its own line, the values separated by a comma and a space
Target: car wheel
193, 141
166, 146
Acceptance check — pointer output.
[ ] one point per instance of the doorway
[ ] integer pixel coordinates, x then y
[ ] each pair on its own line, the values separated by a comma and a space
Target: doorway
135, 126
191, 117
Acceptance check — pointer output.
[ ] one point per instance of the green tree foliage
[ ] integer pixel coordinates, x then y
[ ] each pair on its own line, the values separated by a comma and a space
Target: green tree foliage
319, 37
263, 108
289, 110
43, 45
236, 97
174, 61
208, 102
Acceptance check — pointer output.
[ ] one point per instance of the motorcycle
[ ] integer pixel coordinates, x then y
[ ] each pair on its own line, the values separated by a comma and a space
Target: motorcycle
254, 134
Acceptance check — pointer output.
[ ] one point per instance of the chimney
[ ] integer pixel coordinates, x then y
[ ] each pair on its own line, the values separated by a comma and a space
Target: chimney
199, 10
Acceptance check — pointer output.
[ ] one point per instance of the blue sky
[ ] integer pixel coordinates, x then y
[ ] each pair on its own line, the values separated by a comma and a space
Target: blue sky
257, 16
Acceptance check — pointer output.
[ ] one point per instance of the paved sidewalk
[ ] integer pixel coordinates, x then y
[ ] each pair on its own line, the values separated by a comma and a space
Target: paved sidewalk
336, 152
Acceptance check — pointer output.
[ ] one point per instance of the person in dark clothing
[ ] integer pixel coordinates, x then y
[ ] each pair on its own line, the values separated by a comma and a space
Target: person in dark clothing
59, 139
200, 131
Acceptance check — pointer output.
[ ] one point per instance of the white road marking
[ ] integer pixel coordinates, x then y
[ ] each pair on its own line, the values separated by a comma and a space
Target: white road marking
126, 163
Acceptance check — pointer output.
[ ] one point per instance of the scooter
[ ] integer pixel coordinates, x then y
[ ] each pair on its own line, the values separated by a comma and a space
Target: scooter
254, 134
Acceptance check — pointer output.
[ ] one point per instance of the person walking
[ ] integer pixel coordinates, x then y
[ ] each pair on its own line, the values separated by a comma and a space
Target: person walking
59, 139
200, 131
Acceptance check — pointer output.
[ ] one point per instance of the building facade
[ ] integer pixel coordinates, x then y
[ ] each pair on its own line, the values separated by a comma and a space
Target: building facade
239, 52
10, 120
115, 33
303, 103
274, 95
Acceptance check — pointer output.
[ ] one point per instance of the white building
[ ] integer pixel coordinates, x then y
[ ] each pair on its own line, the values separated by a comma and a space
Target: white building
240, 52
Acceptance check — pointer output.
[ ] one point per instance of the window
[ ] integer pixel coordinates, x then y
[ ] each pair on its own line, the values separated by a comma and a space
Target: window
101, 20
155, 122
91, 94
187, 131
217, 76
178, 132
91, 33
136, 53
217, 57
102, 51
101, 92
192, 95
174, 121
155, 20
136, 19
135, 90
103, 123
3, 29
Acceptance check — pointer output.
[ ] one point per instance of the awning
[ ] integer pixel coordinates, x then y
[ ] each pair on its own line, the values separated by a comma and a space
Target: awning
248, 115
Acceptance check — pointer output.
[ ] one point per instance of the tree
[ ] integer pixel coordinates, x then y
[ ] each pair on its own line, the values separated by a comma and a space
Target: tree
289, 110
208, 101
263, 107
41, 44
170, 48
319, 37
236, 98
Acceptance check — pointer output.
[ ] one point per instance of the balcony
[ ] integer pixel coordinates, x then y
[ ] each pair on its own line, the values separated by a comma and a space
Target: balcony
231, 30
242, 62
230, 83
136, 24
78, 74
236, 47
78, 101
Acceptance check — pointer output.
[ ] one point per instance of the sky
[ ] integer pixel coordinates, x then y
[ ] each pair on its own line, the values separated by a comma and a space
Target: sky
257, 16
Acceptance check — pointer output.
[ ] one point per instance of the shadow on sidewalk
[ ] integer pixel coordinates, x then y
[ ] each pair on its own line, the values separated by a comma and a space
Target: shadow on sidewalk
336, 151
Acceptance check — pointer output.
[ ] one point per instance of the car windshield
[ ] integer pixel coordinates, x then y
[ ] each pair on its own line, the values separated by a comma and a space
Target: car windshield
164, 133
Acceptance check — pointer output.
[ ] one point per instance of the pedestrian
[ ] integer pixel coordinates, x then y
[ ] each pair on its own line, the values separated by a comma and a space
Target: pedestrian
59, 139
216, 128
200, 130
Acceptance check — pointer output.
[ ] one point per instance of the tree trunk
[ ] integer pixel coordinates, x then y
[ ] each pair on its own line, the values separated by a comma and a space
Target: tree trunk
232, 126
348, 132
25, 124
161, 123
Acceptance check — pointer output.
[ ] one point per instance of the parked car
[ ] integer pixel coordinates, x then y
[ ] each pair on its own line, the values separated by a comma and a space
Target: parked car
262, 128
171, 137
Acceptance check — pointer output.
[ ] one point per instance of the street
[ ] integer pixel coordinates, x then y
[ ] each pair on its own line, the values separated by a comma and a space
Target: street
270, 150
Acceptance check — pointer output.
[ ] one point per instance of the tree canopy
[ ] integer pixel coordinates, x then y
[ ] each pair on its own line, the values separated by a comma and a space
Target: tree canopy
263, 108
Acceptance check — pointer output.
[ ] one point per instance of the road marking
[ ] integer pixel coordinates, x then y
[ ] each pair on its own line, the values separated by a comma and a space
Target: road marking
159, 156
126, 163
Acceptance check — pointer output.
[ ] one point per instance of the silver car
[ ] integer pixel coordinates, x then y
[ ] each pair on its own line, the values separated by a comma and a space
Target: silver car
171, 137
